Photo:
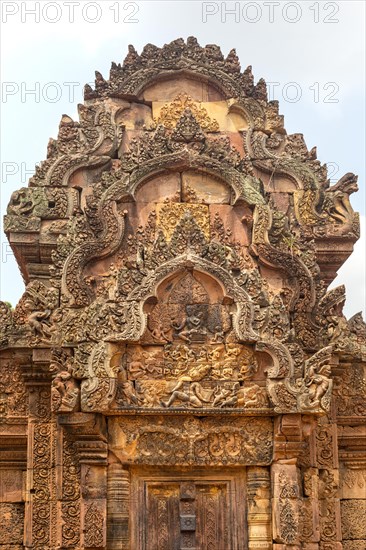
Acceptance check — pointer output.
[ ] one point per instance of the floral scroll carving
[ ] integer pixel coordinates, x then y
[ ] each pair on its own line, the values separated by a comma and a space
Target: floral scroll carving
240, 441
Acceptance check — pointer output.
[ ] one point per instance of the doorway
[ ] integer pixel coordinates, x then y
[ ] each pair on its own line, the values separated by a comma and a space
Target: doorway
188, 510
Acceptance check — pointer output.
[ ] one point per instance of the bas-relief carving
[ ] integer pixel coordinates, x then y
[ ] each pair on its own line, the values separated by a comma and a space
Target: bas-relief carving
12, 524
353, 483
174, 441
177, 375
350, 392
70, 506
353, 519
65, 389
13, 394
205, 298
311, 393
94, 527
170, 114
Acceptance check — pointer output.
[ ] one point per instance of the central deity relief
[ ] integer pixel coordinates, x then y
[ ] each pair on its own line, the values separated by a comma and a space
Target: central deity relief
189, 356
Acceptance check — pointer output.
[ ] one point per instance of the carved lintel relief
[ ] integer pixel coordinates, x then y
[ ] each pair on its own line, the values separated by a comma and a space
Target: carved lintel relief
171, 441
176, 372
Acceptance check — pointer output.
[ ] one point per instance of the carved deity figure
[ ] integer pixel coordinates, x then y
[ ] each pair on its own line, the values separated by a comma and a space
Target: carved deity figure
159, 334
65, 391
317, 383
314, 389
127, 389
191, 326
39, 320
197, 395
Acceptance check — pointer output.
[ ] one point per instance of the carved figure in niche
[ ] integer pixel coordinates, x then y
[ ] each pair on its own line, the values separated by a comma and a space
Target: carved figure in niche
192, 327
117, 317
317, 384
144, 364
226, 396
249, 366
160, 335
136, 367
23, 202
65, 390
110, 282
126, 389
159, 323
38, 321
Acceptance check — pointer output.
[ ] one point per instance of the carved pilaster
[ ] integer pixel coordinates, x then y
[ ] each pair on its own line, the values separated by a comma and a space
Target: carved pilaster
69, 487
85, 450
309, 512
259, 509
40, 497
329, 503
13, 452
118, 491
286, 504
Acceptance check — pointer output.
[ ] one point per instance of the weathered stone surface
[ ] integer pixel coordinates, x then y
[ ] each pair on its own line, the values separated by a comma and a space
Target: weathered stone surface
354, 519
176, 373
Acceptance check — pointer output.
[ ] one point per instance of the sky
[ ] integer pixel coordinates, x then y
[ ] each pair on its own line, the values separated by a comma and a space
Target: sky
312, 55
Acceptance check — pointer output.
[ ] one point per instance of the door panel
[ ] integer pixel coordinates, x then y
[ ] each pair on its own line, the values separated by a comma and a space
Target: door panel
213, 514
182, 513
162, 516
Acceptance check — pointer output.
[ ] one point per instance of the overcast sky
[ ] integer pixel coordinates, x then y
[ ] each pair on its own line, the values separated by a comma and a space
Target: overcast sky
312, 53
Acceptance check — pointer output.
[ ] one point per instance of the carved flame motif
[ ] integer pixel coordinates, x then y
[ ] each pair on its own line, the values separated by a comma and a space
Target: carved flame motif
171, 214
171, 113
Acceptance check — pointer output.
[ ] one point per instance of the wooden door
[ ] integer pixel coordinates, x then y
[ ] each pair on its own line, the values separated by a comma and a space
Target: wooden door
213, 516
182, 513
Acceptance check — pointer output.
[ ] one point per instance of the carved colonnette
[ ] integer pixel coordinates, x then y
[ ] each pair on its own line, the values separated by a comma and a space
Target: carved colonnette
13, 451
179, 345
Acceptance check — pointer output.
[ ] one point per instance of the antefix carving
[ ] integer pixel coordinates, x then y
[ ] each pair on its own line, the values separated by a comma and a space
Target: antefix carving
177, 245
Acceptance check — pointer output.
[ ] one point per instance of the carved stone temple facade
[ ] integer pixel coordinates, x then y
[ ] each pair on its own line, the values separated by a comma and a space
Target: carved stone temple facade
176, 374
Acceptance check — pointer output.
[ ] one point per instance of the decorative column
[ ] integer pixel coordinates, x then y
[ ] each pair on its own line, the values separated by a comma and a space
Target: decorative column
88, 434
13, 450
118, 502
285, 477
285, 506
328, 475
259, 508
68, 484
41, 497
